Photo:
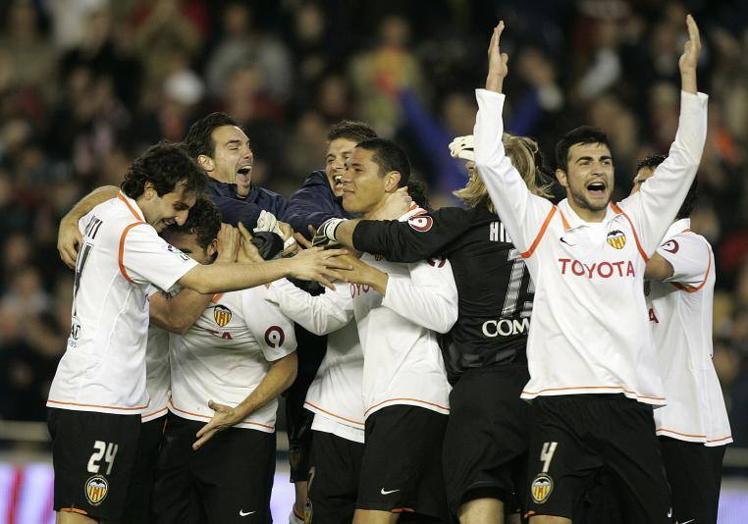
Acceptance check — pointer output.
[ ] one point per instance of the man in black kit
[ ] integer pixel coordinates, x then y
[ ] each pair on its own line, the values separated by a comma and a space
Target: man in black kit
486, 442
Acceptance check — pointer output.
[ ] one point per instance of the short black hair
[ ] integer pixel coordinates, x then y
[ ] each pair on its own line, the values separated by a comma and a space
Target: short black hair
164, 165
204, 221
579, 135
199, 140
352, 130
389, 157
689, 203
418, 191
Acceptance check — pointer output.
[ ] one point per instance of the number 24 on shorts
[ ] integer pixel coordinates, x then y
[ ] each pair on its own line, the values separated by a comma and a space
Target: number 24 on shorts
105, 450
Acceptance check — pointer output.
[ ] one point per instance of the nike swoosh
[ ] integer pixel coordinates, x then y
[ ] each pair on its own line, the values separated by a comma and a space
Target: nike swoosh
387, 492
242, 514
686, 522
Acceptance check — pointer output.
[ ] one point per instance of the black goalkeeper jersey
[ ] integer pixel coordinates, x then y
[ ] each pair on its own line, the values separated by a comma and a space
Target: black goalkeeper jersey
492, 280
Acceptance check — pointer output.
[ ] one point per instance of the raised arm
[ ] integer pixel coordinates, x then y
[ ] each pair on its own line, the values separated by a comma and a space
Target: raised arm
320, 314
68, 234
521, 212
654, 207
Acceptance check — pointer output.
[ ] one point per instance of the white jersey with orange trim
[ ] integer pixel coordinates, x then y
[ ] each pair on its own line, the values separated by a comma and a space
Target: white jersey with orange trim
335, 394
680, 313
226, 354
103, 368
590, 331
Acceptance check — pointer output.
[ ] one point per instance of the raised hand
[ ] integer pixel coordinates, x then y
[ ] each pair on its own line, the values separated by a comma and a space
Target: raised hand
497, 61
690, 57
248, 252
394, 206
228, 243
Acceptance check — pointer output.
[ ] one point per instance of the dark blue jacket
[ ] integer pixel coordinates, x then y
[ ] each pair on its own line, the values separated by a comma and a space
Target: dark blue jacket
313, 203
247, 210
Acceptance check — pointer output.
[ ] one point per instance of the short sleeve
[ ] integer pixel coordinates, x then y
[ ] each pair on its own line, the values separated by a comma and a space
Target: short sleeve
690, 256
273, 330
146, 258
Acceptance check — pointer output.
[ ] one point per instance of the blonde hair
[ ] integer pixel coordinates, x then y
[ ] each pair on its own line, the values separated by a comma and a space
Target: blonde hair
522, 152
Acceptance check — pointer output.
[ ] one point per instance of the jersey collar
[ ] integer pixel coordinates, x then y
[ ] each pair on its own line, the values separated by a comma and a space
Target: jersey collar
131, 205
573, 219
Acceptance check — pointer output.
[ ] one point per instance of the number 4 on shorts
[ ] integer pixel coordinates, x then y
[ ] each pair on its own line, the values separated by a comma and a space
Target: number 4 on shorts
546, 454
104, 450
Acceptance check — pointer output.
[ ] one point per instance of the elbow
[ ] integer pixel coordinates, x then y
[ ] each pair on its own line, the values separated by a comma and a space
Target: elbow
447, 321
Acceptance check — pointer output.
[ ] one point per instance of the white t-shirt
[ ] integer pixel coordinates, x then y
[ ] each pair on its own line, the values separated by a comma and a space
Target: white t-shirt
226, 354
335, 393
589, 332
103, 368
680, 313
157, 369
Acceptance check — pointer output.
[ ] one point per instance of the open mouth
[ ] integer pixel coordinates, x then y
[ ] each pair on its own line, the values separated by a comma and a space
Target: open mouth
338, 180
246, 170
596, 188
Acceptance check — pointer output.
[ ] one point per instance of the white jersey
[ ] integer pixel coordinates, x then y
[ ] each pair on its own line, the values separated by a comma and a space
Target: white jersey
103, 368
589, 332
680, 313
226, 354
335, 395
157, 369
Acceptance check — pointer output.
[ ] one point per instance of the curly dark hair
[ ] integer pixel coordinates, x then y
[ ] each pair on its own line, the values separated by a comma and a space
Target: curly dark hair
204, 220
351, 130
579, 135
689, 203
164, 165
199, 139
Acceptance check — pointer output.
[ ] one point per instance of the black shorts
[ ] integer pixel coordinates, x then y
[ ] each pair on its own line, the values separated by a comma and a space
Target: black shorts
93, 455
226, 480
311, 351
144, 471
575, 437
488, 434
333, 483
402, 466
695, 475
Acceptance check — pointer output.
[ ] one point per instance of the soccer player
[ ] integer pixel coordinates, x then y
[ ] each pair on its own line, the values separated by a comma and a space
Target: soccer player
227, 370
98, 393
398, 309
593, 372
318, 199
693, 428
488, 432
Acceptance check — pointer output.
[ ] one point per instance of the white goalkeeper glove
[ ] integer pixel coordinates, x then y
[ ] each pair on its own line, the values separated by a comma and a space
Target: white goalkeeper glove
325, 235
462, 147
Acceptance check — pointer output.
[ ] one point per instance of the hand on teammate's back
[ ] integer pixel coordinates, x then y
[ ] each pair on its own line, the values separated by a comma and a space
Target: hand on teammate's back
68, 241
228, 244
395, 205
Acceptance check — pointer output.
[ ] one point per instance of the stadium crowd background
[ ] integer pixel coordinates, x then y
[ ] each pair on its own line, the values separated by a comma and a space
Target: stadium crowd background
85, 85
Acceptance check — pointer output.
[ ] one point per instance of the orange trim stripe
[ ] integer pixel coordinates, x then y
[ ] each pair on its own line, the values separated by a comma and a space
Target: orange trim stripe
549, 216
146, 415
728, 437
643, 253
132, 210
591, 387
691, 289
408, 399
216, 298
334, 414
121, 257
694, 436
564, 221
74, 510
245, 421
124, 408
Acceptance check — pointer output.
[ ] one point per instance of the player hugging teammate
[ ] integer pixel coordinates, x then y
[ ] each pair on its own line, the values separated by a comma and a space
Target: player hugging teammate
463, 364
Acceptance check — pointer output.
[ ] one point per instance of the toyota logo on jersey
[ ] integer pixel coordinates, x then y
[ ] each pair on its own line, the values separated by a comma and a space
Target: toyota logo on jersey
274, 336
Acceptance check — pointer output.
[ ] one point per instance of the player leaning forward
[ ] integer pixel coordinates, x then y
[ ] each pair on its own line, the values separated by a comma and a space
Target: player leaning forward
593, 372
98, 393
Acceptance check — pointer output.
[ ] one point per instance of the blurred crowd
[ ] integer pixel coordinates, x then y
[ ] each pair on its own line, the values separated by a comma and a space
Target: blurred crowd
85, 85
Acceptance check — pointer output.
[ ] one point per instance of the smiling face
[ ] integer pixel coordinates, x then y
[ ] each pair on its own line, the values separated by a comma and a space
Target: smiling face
165, 210
365, 185
231, 155
338, 153
589, 179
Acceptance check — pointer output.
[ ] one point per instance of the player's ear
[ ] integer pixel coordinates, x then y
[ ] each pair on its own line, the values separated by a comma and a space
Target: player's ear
149, 190
392, 181
206, 163
212, 248
562, 177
